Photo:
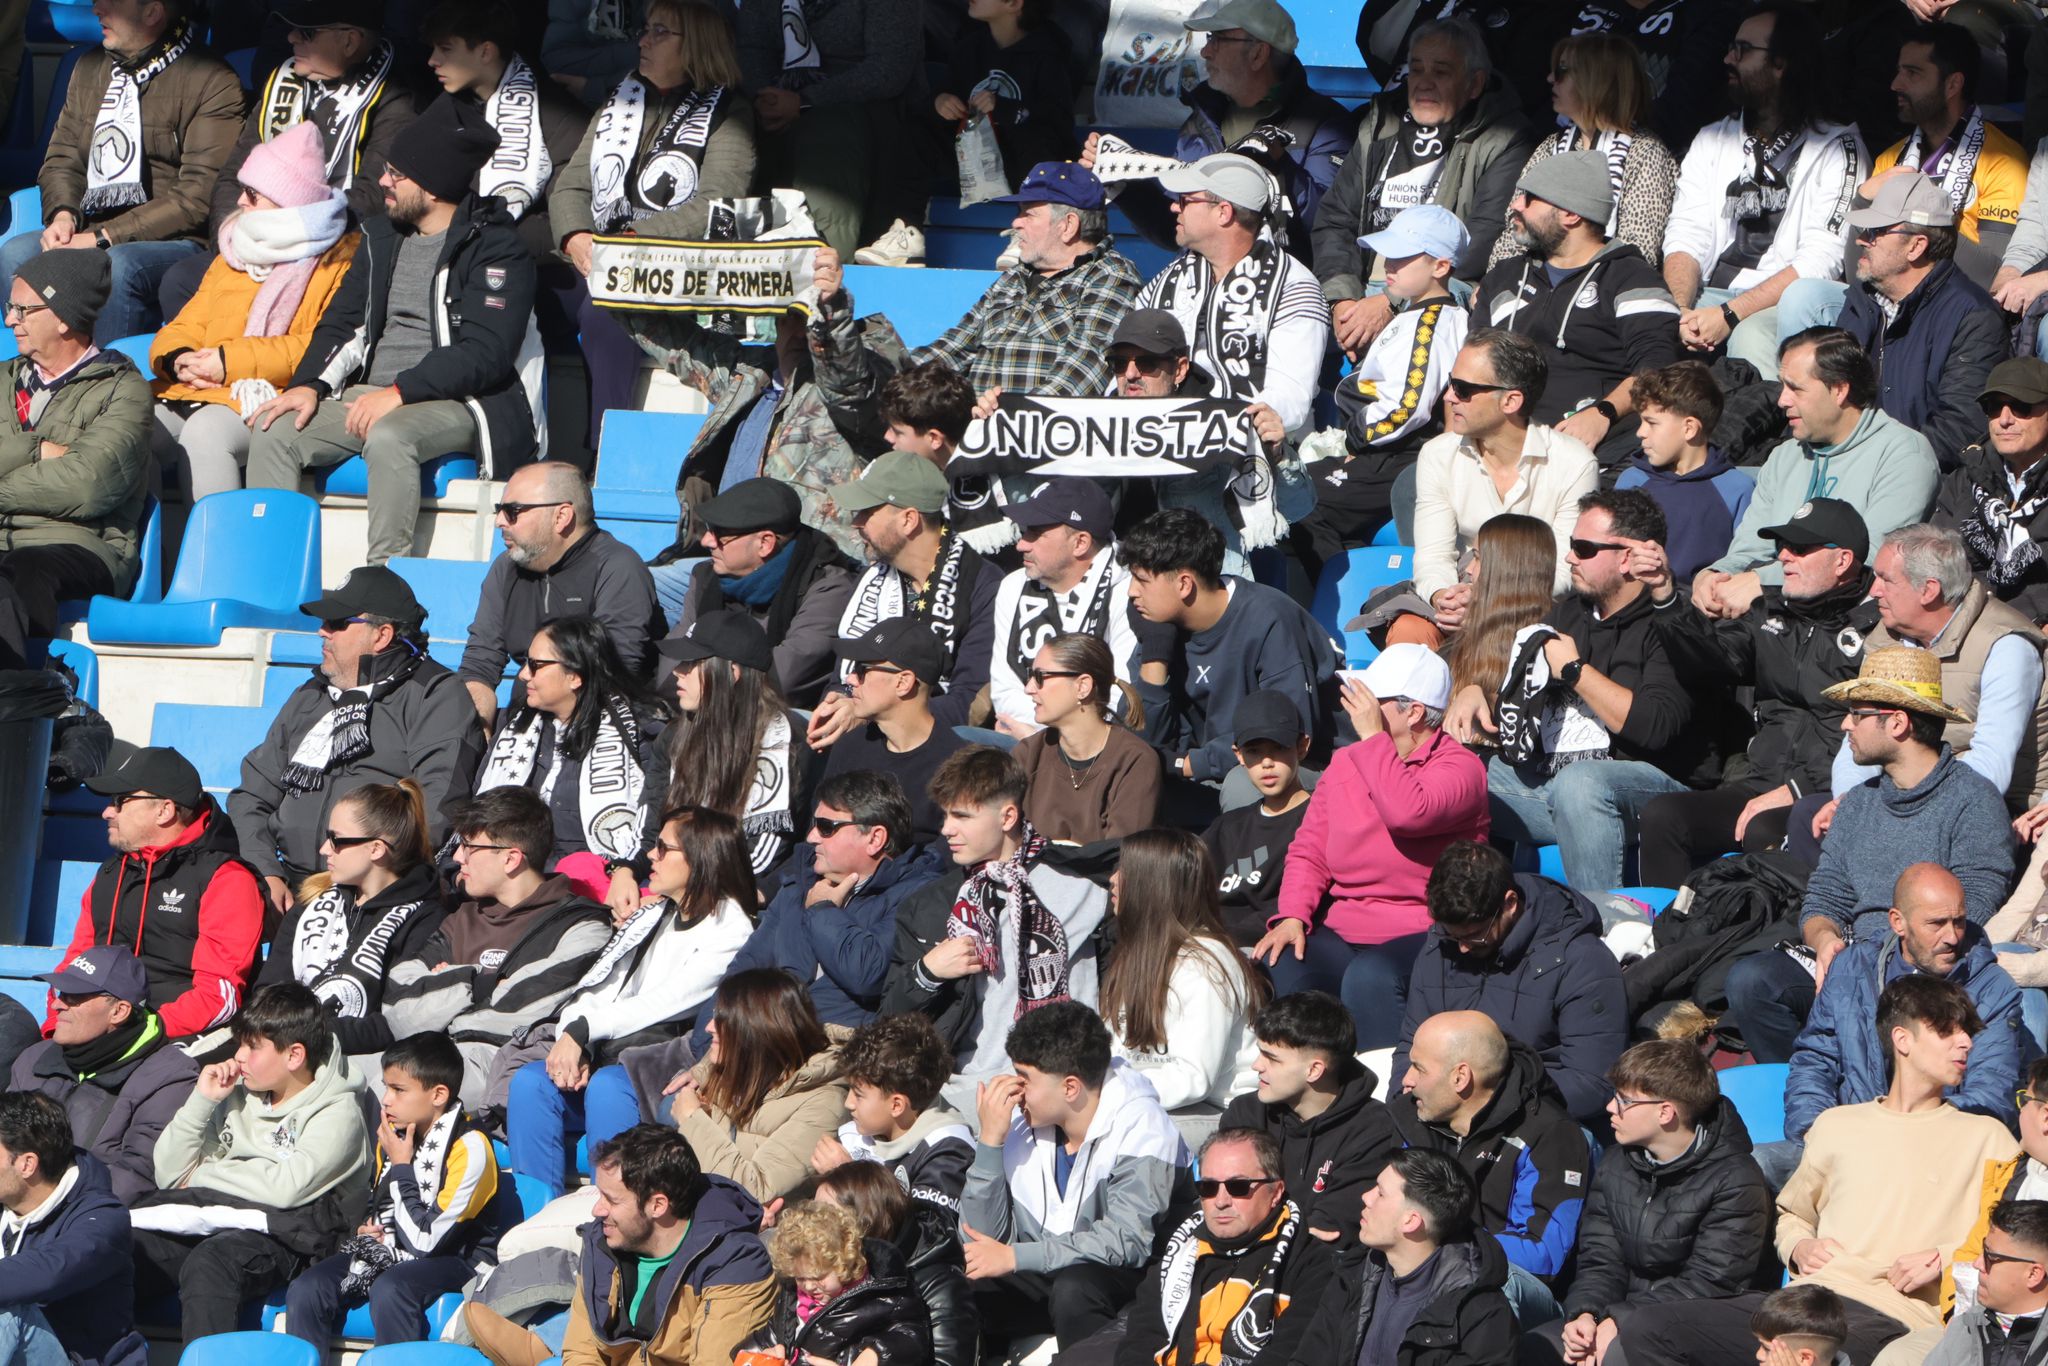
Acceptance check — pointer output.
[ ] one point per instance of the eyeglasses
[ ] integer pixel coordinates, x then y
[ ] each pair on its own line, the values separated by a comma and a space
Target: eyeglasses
655, 31
1468, 389
126, 797
466, 847
512, 512
1865, 713
1183, 200
1742, 49
350, 841
1991, 1259
15, 313
827, 827
1623, 1103
1994, 404
1238, 1186
1039, 676
1586, 550
1473, 939
1123, 358
864, 668
2026, 1098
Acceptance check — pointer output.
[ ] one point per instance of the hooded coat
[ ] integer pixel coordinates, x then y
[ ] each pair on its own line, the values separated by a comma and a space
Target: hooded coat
1328, 1161
1552, 985
117, 1112
883, 1312
1465, 1321
770, 1155
92, 497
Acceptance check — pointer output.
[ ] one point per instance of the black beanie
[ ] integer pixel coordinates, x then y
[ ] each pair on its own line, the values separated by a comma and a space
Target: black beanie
73, 281
442, 150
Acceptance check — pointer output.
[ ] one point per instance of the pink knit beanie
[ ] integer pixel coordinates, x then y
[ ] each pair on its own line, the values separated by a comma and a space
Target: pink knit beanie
291, 168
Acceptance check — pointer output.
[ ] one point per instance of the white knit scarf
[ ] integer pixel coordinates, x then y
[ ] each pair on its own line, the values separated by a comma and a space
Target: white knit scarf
668, 173
800, 56
343, 735
337, 108
518, 171
113, 167
610, 793
280, 248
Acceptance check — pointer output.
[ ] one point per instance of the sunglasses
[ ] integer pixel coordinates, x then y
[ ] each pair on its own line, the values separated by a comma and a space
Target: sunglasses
1121, 360
661, 848
1991, 1259
350, 841
512, 512
1469, 389
1039, 676
118, 802
1586, 550
864, 668
334, 626
827, 827
1994, 404
1238, 1186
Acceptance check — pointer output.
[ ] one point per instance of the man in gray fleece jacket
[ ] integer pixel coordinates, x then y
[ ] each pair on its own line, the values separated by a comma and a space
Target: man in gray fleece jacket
1078, 1175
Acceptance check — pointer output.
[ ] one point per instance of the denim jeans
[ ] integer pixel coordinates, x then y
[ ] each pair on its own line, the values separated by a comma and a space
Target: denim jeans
541, 1119
138, 267
26, 1338
1769, 998
2033, 1003
1755, 338
672, 585
1529, 1298
1779, 1160
1587, 809
1370, 979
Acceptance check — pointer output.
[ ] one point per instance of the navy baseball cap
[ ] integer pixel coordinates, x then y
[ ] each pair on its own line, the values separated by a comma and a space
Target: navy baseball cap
104, 970
1058, 182
1066, 501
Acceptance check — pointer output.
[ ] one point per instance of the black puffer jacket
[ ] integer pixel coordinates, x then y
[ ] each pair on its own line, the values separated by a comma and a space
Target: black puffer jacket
1466, 1321
1693, 1229
930, 1242
885, 1312
1788, 651
1327, 1161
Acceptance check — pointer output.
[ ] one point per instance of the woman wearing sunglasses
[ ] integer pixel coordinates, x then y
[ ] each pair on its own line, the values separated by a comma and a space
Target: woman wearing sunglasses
662, 964
1175, 968
377, 903
1090, 776
586, 738
732, 747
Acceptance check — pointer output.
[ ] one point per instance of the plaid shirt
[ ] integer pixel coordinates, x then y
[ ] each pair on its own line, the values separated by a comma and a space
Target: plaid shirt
1030, 333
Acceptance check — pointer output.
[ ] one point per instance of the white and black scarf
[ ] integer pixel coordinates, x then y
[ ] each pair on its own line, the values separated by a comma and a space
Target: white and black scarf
1039, 616
883, 594
343, 967
113, 166
768, 799
1761, 190
343, 735
1539, 724
369, 1258
610, 788
337, 108
1998, 534
626, 939
1616, 146
518, 171
667, 173
1259, 1302
802, 63
1955, 159
1042, 956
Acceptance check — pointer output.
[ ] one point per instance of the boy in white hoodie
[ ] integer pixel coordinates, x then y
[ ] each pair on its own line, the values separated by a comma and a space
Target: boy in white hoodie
1078, 1174
264, 1166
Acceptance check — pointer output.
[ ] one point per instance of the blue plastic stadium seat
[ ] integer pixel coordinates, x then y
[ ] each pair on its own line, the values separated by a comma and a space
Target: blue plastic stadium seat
24, 211
1327, 44
76, 838
1346, 583
351, 478
921, 303
532, 1193
638, 455
448, 589
136, 348
251, 1349
250, 557
356, 1324
34, 996
1656, 898
243, 62
1758, 1094
647, 537
423, 1354
1550, 862
84, 663
215, 739
149, 565
1390, 534
56, 899
53, 20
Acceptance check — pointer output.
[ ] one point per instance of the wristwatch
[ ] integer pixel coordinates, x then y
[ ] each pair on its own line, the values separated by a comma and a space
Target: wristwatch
1569, 674
1607, 410
99, 237
1728, 312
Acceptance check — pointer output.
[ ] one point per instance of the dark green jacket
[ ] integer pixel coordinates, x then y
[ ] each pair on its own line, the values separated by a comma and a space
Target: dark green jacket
92, 495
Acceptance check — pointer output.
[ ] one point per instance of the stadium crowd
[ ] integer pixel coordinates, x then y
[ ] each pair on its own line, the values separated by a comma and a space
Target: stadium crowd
943, 911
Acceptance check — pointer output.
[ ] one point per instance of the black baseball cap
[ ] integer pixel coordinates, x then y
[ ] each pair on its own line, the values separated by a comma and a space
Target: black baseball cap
1823, 521
104, 970
727, 633
1266, 715
903, 641
754, 505
1066, 501
372, 591
1153, 331
160, 771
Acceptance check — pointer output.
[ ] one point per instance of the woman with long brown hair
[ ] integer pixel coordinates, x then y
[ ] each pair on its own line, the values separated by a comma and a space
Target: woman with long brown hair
1600, 89
377, 903
767, 1090
730, 746
1089, 775
1512, 571
647, 985
1175, 965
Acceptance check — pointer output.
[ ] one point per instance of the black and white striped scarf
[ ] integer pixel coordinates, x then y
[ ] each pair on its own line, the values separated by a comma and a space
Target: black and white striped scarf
1616, 146
337, 108
1761, 190
518, 171
667, 173
610, 788
113, 166
883, 594
1958, 163
343, 735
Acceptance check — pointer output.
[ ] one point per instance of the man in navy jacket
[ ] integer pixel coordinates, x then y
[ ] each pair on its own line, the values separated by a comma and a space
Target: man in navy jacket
418, 354
65, 1261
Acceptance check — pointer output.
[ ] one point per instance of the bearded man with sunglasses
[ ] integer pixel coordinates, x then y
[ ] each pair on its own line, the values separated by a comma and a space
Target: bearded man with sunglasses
1997, 495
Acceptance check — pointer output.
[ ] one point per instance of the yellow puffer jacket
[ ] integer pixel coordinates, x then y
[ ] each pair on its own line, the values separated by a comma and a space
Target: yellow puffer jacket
1997, 1177
219, 312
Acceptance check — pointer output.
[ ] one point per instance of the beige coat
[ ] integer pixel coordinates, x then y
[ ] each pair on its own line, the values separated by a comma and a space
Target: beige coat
771, 1154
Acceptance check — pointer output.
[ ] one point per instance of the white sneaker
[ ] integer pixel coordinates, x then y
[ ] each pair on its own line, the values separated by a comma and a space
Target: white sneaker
1009, 258
902, 245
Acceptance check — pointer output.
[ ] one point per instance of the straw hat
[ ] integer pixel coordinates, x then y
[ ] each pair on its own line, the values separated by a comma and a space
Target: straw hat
1898, 676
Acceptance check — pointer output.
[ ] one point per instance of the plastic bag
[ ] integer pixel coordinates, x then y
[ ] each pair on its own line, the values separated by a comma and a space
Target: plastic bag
981, 162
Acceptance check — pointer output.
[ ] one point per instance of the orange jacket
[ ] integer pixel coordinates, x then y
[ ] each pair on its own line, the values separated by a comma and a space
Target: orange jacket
217, 314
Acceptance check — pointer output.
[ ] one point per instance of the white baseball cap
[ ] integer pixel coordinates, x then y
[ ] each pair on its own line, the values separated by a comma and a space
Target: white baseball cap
1415, 672
1420, 230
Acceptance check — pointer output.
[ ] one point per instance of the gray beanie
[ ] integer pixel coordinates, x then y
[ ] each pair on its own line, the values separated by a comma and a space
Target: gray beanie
73, 281
1576, 182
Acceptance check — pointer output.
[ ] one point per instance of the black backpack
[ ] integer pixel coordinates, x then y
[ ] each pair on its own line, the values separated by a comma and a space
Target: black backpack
1726, 910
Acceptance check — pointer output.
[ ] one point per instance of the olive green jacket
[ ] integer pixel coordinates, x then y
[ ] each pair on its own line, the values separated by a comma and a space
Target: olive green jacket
92, 495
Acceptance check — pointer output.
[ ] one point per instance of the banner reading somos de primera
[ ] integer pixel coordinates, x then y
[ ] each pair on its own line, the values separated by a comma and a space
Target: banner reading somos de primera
1104, 438
660, 275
